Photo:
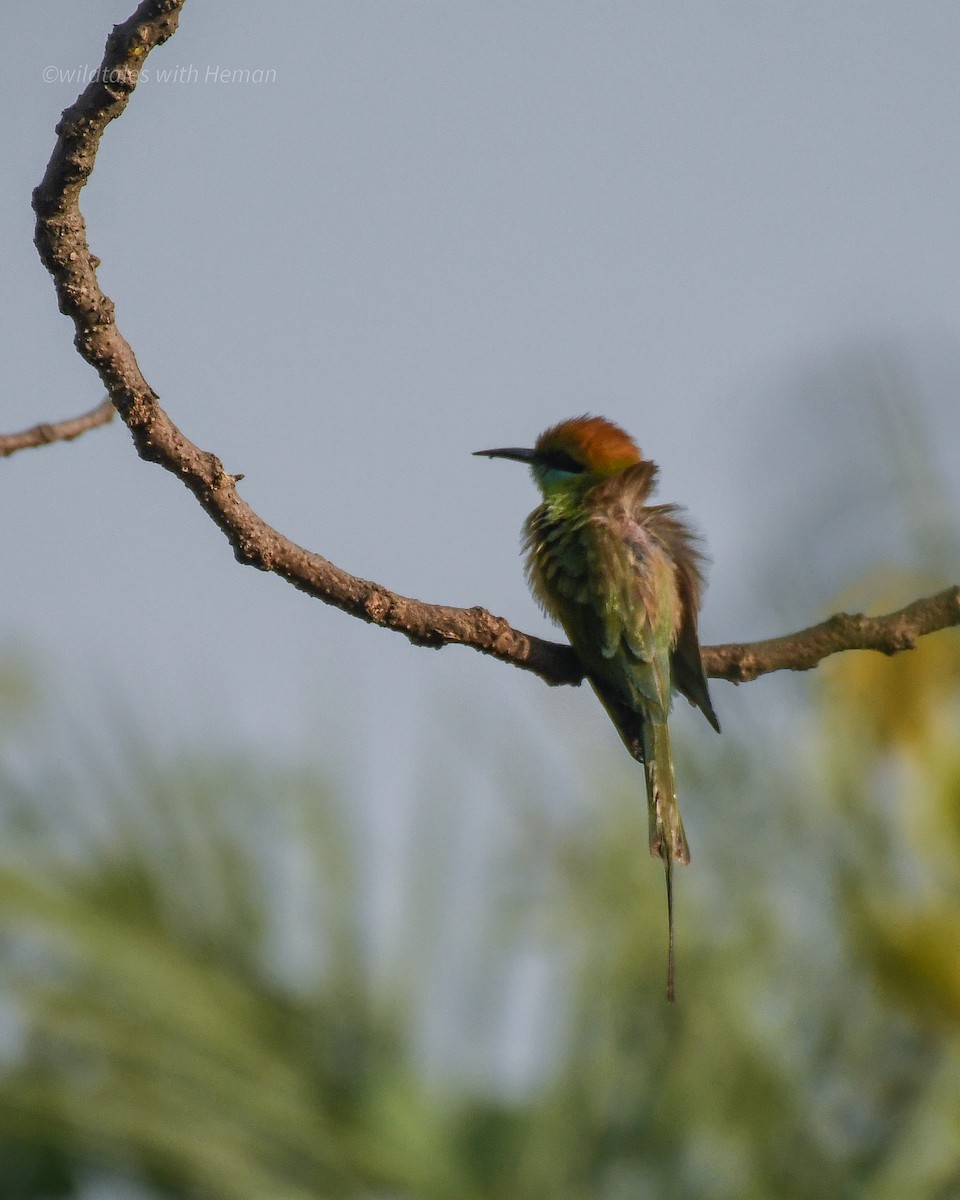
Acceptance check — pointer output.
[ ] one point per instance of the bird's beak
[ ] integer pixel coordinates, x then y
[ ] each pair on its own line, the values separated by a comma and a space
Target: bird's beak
524, 456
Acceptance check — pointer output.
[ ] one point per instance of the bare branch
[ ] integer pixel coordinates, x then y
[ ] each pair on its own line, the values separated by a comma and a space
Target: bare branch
801, 651
61, 241
61, 431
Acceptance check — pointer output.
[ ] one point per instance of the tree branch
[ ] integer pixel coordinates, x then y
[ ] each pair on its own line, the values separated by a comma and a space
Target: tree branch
62, 244
801, 651
61, 431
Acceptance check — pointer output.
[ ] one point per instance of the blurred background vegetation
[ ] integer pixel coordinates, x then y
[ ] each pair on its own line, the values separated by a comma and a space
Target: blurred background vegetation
208, 989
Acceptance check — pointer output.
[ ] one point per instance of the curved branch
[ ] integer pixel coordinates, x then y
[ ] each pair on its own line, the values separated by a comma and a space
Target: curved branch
61, 241
802, 651
60, 431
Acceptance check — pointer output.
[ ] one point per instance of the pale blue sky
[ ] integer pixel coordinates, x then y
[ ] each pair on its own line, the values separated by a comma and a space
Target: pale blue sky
441, 226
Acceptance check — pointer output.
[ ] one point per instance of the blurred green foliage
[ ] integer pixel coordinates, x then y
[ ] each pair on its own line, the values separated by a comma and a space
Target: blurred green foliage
192, 1003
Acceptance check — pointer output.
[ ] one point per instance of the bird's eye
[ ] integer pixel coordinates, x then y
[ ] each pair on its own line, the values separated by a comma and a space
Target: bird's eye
560, 460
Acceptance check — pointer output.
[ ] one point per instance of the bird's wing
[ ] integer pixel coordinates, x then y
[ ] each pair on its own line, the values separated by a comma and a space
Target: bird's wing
689, 677
631, 583
686, 662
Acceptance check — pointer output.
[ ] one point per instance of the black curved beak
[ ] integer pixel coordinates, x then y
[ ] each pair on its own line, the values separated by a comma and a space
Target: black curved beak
524, 456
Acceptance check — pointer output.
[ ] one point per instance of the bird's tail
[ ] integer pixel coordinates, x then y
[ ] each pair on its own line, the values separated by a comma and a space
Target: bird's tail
667, 839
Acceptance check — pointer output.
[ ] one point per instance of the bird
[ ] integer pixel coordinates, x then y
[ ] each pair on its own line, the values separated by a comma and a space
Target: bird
624, 579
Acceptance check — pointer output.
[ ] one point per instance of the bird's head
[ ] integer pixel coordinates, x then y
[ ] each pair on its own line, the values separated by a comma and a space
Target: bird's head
580, 451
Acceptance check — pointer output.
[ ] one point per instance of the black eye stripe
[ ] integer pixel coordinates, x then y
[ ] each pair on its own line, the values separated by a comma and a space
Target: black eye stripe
560, 460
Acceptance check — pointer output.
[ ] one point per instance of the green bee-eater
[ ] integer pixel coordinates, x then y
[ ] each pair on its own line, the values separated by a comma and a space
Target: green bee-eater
624, 580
